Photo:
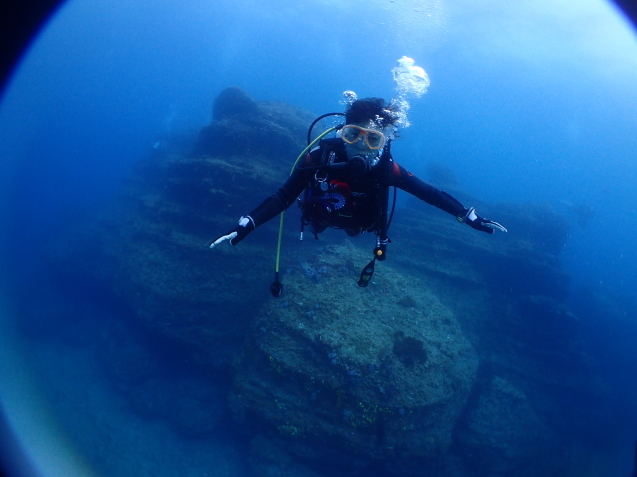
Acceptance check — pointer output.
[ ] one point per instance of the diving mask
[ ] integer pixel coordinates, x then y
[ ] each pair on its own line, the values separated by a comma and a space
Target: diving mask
373, 139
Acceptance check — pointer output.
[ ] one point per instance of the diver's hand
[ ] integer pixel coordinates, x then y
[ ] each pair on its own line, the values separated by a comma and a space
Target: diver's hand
479, 223
236, 235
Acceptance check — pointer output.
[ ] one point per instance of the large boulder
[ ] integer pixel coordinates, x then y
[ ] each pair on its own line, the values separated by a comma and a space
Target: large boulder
354, 378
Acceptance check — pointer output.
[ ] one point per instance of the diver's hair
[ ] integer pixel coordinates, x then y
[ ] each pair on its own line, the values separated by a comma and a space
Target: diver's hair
372, 109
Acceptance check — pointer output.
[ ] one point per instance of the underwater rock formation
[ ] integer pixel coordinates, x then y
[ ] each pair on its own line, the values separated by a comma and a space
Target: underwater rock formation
242, 126
503, 432
523, 261
339, 376
460, 336
151, 245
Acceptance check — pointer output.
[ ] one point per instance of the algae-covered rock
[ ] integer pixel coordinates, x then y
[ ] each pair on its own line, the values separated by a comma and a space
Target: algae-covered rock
243, 126
349, 375
523, 261
150, 247
503, 434
371, 381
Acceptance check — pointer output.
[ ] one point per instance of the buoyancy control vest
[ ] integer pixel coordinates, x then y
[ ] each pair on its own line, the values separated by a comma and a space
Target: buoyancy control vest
338, 195
357, 202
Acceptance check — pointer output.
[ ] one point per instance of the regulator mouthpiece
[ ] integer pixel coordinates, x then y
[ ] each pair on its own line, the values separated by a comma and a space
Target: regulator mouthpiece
358, 165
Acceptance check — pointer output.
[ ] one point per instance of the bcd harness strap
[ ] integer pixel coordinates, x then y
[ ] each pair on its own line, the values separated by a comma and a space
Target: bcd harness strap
380, 251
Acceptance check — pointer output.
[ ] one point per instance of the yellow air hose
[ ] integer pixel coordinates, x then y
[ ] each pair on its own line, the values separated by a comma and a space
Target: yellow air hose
276, 288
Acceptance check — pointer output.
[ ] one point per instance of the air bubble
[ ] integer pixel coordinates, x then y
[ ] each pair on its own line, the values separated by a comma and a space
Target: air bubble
411, 80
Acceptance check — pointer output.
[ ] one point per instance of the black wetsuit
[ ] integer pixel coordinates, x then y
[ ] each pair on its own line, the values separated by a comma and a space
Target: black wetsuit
342, 199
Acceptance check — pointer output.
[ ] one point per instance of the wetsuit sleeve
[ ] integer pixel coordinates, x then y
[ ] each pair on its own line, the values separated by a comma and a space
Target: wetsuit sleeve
281, 199
405, 180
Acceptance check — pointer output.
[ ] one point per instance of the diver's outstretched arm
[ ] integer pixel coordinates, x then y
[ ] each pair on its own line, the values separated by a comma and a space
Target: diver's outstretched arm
403, 179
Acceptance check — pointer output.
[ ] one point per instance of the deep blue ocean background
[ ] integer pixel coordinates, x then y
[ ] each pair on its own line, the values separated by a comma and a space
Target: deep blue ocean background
530, 102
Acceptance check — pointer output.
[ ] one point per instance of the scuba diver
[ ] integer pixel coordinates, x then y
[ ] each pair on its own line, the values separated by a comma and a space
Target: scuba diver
346, 180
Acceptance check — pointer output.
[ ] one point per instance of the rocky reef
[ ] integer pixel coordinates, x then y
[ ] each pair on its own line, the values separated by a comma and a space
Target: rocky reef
370, 380
243, 127
151, 245
460, 358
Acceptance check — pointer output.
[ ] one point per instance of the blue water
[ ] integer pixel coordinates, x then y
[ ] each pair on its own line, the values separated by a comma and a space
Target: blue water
530, 102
